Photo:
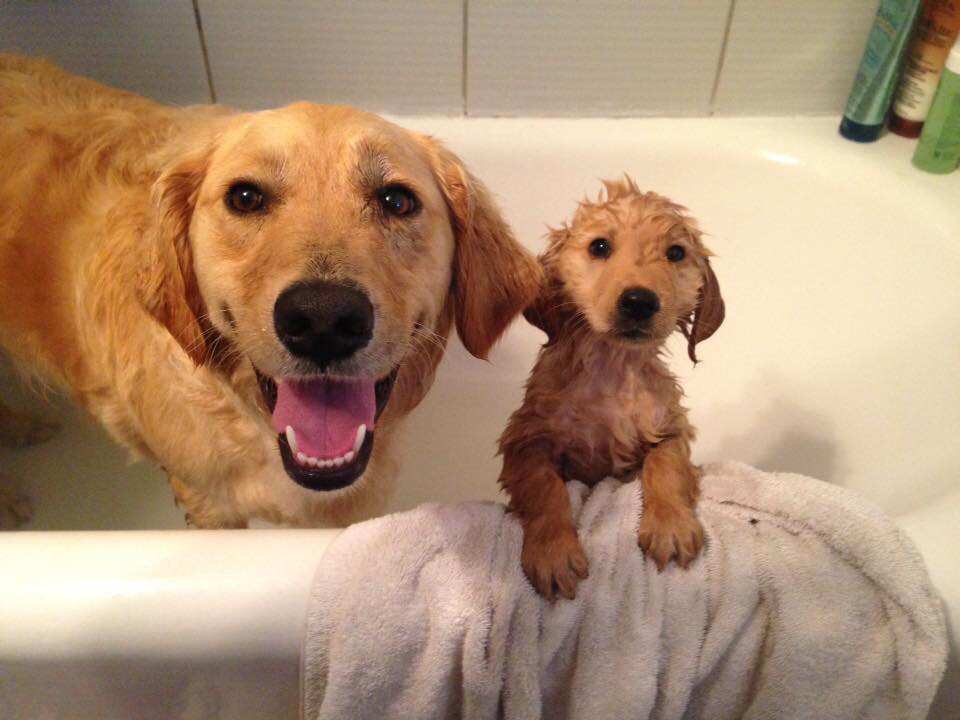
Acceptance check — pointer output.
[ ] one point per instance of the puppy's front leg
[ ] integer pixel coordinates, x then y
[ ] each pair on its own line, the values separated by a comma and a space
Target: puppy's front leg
669, 529
552, 557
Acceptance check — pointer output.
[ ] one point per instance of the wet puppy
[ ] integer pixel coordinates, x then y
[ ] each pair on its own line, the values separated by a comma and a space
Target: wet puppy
628, 271
253, 300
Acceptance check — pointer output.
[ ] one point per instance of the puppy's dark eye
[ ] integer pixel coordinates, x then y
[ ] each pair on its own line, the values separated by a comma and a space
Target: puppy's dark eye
676, 253
601, 248
244, 197
398, 200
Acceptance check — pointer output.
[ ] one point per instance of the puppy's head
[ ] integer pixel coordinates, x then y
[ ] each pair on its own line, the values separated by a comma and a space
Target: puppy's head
333, 250
633, 266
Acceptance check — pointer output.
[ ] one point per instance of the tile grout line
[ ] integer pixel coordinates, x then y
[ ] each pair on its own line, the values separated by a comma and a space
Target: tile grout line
720, 61
463, 80
203, 50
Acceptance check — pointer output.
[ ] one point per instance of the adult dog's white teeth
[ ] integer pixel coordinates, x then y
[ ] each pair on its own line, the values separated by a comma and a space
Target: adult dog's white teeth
328, 464
292, 442
361, 434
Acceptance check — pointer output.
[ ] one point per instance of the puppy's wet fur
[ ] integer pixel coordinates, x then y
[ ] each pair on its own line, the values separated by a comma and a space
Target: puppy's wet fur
629, 270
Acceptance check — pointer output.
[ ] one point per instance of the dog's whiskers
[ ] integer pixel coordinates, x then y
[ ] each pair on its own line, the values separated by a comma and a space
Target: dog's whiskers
419, 353
209, 335
423, 333
580, 322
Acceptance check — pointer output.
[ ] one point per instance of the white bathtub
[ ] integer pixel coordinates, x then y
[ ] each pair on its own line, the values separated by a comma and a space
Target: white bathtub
839, 358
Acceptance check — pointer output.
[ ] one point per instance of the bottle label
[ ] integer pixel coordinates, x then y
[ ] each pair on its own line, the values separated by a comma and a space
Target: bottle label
917, 87
935, 34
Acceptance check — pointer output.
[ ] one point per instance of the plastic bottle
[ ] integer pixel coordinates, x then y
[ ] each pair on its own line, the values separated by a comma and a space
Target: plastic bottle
939, 148
936, 31
873, 87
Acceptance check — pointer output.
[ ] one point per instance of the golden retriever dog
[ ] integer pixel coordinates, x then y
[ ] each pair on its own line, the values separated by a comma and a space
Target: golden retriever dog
629, 270
253, 300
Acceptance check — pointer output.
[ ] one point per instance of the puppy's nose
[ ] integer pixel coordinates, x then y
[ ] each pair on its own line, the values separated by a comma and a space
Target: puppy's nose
323, 321
638, 304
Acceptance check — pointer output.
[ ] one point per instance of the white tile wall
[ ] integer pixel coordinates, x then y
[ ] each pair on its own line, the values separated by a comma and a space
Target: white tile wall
150, 47
789, 57
513, 57
386, 56
608, 57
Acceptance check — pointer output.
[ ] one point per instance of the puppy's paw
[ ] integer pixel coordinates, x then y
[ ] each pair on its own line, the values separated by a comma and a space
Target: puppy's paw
18, 430
553, 559
678, 536
16, 507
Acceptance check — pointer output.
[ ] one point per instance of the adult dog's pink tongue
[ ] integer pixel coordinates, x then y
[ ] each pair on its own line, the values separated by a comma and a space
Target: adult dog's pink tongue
325, 413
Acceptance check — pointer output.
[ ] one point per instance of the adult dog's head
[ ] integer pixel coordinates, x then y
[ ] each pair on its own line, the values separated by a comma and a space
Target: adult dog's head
332, 250
633, 268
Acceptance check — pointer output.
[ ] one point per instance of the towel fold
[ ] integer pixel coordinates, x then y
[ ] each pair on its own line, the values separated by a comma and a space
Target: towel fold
807, 602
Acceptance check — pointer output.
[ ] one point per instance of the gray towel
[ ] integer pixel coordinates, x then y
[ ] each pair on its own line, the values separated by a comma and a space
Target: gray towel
807, 602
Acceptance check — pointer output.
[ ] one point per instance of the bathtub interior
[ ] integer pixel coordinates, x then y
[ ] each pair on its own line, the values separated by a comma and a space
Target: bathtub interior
838, 358
838, 264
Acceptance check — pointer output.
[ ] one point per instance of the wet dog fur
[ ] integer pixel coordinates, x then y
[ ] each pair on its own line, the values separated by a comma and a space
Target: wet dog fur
630, 269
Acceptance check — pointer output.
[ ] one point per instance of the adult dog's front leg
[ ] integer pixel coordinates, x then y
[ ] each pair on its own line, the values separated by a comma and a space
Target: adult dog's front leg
669, 529
552, 557
198, 513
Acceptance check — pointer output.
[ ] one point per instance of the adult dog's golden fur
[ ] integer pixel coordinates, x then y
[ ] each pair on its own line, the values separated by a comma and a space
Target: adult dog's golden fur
125, 279
600, 401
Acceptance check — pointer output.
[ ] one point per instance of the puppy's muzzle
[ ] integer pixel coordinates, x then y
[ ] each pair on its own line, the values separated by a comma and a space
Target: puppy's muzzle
323, 321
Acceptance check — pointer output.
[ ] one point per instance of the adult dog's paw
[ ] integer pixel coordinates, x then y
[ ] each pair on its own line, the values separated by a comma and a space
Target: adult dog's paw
16, 507
19, 430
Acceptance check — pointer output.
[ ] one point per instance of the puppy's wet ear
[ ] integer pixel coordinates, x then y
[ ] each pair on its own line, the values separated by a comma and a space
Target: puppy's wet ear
545, 312
494, 277
167, 286
551, 309
708, 314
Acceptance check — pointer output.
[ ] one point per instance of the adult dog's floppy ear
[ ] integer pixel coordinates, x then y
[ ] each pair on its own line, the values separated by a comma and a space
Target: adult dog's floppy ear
494, 278
708, 314
168, 288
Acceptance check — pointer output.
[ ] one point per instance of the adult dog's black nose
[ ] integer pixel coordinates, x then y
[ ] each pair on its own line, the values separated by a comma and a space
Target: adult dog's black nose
323, 321
638, 304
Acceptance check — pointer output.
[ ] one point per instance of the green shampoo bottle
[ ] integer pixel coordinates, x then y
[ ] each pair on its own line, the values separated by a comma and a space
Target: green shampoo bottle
939, 148
869, 100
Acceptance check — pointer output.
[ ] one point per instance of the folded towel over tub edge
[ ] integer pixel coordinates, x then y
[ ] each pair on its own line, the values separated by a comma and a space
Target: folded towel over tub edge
807, 602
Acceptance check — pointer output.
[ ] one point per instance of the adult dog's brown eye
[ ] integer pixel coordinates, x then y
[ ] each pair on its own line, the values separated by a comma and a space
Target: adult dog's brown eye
601, 248
398, 200
676, 253
245, 197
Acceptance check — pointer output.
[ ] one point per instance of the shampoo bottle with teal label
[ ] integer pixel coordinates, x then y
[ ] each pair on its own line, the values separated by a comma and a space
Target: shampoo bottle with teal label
869, 100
